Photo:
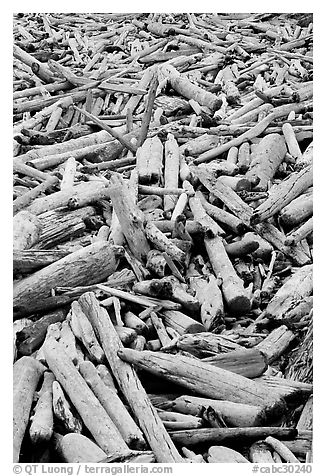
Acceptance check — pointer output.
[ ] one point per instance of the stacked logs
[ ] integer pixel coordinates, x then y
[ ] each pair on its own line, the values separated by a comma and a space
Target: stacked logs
162, 238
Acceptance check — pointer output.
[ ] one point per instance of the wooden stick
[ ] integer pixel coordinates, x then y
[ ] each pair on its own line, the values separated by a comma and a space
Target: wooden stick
26, 375
97, 421
129, 383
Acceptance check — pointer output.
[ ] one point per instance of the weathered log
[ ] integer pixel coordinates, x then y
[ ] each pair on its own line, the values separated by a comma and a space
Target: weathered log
32, 336
223, 454
129, 383
296, 288
130, 217
26, 261
273, 235
250, 134
97, 421
134, 322
86, 266
68, 341
232, 286
282, 194
298, 210
222, 216
82, 329
171, 170
233, 414
162, 243
305, 421
26, 375
189, 90
228, 435
26, 230
26, 198
306, 158
301, 358
301, 446
291, 141
142, 301
76, 448
168, 287
228, 196
260, 452
177, 421
208, 293
206, 343
281, 449
246, 362
160, 330
113, 406
149, 160
64, 411
61, 224
292, 391
182, 323
40, 69
276, 343
203, 378
41, 428
75, 197
209, 226
266, 158
300, 233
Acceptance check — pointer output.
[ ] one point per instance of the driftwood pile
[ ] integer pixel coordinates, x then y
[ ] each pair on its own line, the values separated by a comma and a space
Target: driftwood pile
162, 237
